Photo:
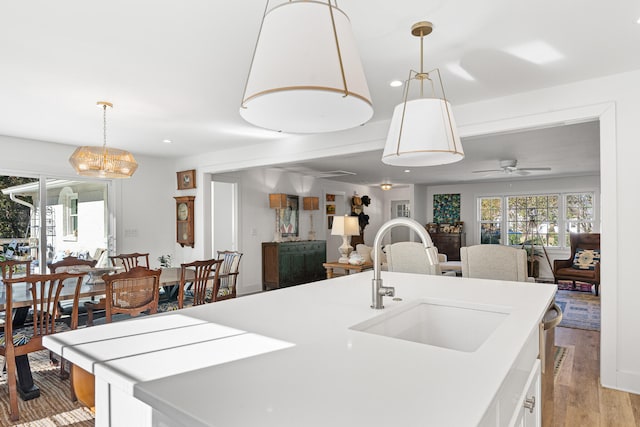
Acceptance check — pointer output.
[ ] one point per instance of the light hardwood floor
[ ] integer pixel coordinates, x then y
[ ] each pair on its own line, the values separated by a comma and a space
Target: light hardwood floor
579, 398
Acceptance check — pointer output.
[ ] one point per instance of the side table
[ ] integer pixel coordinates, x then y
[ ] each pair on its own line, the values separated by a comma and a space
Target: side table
329, 266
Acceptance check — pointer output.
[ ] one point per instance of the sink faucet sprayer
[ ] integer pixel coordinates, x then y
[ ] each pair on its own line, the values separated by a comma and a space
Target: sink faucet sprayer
378, 290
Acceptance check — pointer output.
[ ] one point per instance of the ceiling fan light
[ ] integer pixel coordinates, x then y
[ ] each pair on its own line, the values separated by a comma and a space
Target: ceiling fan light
306, 75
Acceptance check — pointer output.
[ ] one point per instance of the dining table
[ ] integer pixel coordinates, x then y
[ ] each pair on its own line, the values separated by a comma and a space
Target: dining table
92, 286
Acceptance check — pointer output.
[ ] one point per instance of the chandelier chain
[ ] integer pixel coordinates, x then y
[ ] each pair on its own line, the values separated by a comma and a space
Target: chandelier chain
104, 126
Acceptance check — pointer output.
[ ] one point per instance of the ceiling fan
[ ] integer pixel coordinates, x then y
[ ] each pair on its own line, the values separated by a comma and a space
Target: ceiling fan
510, 167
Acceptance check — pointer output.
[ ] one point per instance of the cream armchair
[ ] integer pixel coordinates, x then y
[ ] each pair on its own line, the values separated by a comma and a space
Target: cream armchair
496, 262
410, 257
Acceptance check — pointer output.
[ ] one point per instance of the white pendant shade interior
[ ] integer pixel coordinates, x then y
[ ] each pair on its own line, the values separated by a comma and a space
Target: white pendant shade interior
100, 161
306, 75
423, 131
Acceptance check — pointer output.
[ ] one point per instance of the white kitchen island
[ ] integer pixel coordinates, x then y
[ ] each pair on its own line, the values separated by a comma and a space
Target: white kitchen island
290, 357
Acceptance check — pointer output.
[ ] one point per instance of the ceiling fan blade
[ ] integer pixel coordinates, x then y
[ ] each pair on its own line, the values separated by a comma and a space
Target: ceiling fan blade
534, 169
521, 172
488, 170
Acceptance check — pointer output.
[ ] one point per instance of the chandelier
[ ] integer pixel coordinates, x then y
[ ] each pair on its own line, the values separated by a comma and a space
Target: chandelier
423, 131
305, 74
103, 162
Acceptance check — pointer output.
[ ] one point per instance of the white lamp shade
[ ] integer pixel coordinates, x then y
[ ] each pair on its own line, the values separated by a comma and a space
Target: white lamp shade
425, 136
295, 83
345, 226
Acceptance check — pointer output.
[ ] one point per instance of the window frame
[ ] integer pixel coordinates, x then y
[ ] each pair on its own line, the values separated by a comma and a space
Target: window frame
562, 221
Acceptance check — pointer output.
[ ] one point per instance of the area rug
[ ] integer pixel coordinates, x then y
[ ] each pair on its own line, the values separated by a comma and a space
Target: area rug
579, 310
567, 285
559, 357
53, 407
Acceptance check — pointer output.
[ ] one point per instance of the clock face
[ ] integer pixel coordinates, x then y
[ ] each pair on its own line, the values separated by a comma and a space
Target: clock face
183, 212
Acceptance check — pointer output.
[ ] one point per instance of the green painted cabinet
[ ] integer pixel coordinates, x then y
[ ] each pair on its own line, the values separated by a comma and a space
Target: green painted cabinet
292, 263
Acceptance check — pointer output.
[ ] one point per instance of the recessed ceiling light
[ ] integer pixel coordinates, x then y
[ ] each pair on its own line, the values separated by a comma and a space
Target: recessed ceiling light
407, 170
537, 52
638, 21
460, 72
395, 83
167, 141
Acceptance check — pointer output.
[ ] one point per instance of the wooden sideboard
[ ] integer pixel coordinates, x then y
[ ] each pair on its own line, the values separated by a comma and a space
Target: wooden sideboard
292, 263
449, 244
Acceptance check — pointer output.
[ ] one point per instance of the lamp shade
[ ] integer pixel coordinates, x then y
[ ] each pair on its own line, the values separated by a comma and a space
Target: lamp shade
310, 203
306, 75
422, 133
277, 201
345, 226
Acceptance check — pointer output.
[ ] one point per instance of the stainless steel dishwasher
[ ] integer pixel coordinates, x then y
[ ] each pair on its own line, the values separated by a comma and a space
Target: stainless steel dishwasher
551, 319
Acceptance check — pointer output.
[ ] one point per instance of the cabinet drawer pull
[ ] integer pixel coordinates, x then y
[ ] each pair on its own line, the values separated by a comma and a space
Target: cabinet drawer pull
530, 404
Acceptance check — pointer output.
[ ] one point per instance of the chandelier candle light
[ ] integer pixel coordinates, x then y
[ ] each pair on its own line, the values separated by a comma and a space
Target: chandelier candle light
345, 226
305, 74
103, 162
423, 131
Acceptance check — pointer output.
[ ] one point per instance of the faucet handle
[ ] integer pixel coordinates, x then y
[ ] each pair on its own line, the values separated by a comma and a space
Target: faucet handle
387, 291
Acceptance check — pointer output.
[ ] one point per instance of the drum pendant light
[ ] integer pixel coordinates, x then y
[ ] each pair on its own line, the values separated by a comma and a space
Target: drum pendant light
306, 75
423, 131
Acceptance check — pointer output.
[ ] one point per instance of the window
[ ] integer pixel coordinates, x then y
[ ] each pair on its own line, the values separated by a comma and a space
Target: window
490, 220
69, 202
579, 214
543, 219
533, 219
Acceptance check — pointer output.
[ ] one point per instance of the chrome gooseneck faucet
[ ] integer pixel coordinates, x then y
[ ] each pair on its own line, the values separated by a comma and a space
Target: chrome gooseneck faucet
378, 291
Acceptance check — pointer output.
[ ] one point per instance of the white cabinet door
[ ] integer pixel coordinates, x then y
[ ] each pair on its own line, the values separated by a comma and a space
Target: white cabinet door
530, 412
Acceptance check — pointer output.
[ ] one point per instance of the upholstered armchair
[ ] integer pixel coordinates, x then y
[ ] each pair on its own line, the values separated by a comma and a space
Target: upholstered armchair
410, 257
496, 262
584, 263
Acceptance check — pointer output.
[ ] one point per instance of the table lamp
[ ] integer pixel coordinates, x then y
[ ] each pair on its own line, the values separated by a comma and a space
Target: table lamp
345, 226
311, 204
277, 201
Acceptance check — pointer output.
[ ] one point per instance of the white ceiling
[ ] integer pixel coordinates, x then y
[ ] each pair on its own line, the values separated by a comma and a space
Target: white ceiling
176, 70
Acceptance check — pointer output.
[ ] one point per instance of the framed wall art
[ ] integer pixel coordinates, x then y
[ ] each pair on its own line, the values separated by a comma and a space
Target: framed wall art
446, 208
186, 179
289, 217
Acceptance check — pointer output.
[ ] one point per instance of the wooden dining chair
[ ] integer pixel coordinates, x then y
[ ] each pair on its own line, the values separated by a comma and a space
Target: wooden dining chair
130, 261
44, 290
132, 292
12, 267
227, 279
199, 289
71, 263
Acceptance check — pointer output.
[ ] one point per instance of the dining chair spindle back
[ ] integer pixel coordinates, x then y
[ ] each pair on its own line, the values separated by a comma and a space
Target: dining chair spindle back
44, 290
199, 289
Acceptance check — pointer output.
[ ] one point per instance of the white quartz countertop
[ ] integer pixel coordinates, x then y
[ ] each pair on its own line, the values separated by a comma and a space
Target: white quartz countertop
289, 358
